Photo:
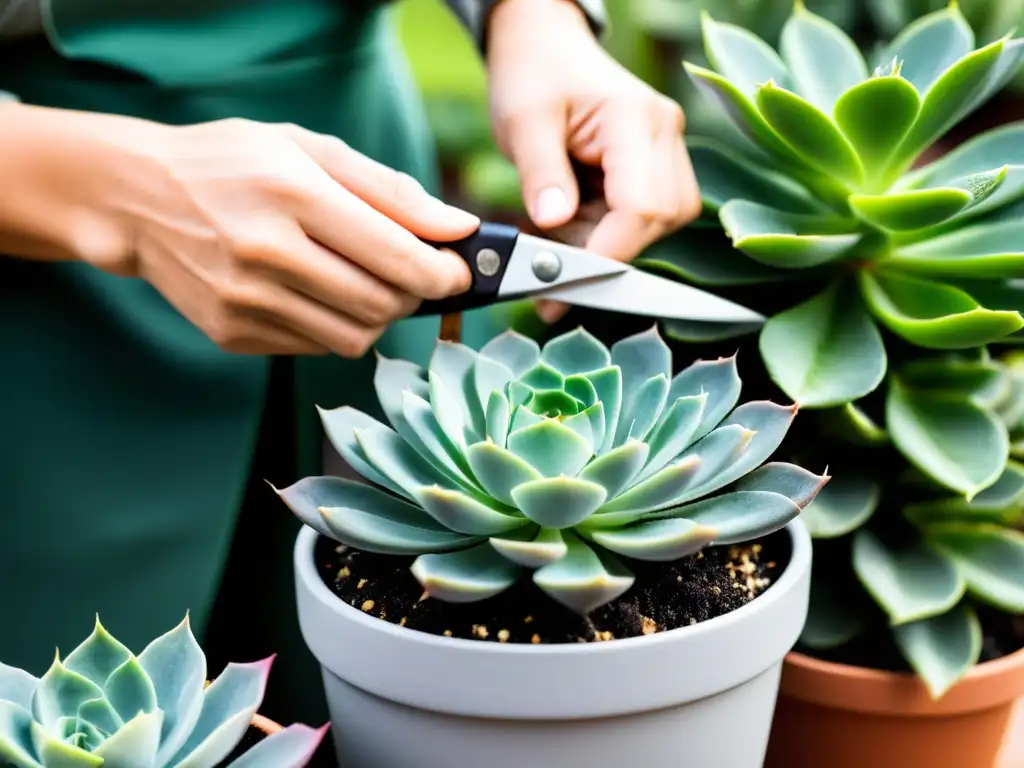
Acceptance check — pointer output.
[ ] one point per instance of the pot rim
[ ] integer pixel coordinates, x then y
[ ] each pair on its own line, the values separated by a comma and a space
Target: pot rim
873, 691
777, 591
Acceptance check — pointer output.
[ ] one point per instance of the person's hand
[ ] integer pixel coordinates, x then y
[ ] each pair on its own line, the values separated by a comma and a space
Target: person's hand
556, 93
270, 238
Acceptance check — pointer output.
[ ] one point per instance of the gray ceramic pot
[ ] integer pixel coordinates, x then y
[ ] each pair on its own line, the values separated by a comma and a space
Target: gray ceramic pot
698, 696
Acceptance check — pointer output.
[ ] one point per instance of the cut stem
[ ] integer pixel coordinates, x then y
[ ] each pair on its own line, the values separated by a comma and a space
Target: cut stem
451, 327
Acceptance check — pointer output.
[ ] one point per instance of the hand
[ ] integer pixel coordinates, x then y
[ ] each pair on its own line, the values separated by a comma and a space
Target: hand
554, 93
270, 238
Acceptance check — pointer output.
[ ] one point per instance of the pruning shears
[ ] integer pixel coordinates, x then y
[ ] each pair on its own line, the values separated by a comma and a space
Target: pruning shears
507, 264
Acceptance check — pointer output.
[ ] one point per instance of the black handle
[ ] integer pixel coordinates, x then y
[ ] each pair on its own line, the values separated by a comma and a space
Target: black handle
487, 252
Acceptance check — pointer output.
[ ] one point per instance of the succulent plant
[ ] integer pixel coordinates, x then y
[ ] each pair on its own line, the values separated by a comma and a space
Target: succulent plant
555, 460
105, 707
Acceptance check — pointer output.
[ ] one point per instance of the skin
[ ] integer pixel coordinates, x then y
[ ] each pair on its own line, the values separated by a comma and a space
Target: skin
273, 239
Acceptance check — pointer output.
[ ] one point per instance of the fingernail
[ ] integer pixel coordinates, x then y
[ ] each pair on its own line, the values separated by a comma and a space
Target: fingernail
459, 217
552, 206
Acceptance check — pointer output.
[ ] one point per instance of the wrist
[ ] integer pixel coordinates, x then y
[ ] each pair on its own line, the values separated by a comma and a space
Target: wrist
509, 16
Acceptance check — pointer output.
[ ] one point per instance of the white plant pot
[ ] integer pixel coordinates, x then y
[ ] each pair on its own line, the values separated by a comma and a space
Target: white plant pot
700, 696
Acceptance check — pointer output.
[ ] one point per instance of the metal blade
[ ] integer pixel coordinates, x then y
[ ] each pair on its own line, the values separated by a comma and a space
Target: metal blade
537, 264
639, 293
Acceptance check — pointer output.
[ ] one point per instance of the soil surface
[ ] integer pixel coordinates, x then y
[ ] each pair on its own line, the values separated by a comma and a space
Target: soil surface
665, 595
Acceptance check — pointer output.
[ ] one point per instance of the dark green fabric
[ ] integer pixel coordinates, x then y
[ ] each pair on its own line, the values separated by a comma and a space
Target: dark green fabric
126, 437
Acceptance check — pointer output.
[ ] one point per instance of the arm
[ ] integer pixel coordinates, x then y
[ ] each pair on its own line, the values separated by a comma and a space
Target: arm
474, 14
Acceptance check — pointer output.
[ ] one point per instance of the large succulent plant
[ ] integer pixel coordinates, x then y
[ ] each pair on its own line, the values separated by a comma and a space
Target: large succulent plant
554, 460
899, 276
104, 707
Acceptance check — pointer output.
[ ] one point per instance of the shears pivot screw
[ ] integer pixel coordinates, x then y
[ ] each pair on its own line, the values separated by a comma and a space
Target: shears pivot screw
547, 266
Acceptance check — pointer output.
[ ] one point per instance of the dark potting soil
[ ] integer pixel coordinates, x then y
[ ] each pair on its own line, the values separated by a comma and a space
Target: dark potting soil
665, 595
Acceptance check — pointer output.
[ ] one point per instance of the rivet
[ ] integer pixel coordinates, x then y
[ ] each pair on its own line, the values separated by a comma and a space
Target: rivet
488, 262
547, 266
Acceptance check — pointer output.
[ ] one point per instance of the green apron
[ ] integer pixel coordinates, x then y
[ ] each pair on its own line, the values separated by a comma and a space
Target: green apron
127, 439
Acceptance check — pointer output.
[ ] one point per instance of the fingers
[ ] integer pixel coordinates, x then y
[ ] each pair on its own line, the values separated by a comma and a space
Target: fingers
537, 144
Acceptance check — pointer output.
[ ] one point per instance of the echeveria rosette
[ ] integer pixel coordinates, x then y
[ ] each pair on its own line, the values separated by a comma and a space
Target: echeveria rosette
557, 461
965, 413
104, 707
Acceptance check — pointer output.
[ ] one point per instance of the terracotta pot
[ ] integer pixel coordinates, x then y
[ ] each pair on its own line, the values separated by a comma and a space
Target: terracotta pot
849, 717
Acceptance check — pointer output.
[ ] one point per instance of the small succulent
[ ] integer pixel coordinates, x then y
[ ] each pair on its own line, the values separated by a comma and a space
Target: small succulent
554, 460
105, 707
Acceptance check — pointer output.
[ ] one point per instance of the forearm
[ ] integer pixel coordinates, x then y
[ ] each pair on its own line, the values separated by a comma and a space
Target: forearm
60, 173
475, 14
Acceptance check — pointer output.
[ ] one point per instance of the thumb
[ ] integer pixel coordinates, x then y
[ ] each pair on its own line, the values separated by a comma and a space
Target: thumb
537, 145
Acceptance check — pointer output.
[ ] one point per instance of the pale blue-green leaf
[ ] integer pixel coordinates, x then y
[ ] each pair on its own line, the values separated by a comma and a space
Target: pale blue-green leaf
453, 364
516, 352
910, 584
96, 658
658, 491
60, 754
787, 240
718, 451
987, 250
129, 690
16, 747
583, 425
99, 713
523, 417
616, 469
499, 470
825, 352
598, 423
640, 357
674, 432
583, 580
941, 649
658, 540
576, 352
956, 442
990, 558
228, 705
518, 393
1002, 503
539, 548
488, 376
842, 506
292, 747
135, 745
17, 686
831, 620
59, 693
543, 376
719, 380
551, 448
420, 428
726, 175
608, 385
1005, 69
340, 425
795, 483
449, 410
498, 418
930, 45
467, 576
559, 502
875, 116
177, 666
374, 529
463, 514
392, 456
393, 377
740, 56
579, 386
644, 410
810, 133
806, 42
737, 516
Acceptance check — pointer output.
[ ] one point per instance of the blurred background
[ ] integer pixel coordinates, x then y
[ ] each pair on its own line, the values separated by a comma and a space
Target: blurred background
651, 38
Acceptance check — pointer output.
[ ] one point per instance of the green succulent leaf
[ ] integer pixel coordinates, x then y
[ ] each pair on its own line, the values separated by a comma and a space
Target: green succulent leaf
741, 56
465, 576
1005, 69
489, 376
292, 747
579, 386
930, 45
660, 490
941, 649
718, 451
559, 502
418, 426
795, 483
933, 315
576, 352
831, 620
807, 40
516, 352
617, 469
726, 175
533, 548
1001, 503
704, 263
583, 579
993, 250
60, 753
640, 358
340, 425
390, 455
135, 744
129, 690
786, 240
810, 133
551, 448
984, 382
850, 424
699, 332
658, 540
460, 513
645, 407
989, 557
498, 418
738, 516
953, 440
18, 686
842, 506
675, 430
16, 746
499, 470
543, 376
910, 584
453, 392
826, 351
874, 116
716, 380
95, 658
59, 693
608, 384
99, 713
921, 208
